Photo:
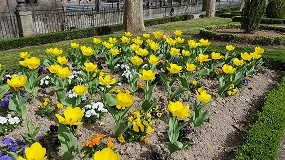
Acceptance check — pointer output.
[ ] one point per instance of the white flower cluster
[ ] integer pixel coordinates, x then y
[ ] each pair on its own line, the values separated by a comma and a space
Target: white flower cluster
45, 81
127, 72
94, 109
72, 94
9, 119
75, 76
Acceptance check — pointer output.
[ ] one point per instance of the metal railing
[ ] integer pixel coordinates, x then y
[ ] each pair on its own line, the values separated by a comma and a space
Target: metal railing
8, 26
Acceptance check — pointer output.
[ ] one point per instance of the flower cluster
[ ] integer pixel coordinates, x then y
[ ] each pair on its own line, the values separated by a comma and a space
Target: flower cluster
94, 111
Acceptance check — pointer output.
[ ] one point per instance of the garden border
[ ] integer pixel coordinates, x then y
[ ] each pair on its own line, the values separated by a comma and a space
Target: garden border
263, 21
262, 40
263, 138
80, 33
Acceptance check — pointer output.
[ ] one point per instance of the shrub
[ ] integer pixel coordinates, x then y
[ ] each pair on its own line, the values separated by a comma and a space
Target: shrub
275, 9
252, 14
264, 136
263, 21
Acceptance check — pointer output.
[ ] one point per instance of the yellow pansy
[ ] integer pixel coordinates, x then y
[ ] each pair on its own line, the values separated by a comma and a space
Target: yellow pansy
147, 75
128, 34
228, 69
97, 40
216, 56
142, 52
230, 47
136, 60
174, 68
17, 82
177, 33
157, 35
63, 72
114, 51
204, 42
72, 116
62, 60
112, 40
80, 89
90, 67
106, 154
177, 109
238, 62
190, 67
24, 55
185, 53
34, 152
153, 60
174, 51
87, 51
121, 139
74, 45
107, 80
245, 56
194, 82
125, 39
203, 58
124, 99
203, 96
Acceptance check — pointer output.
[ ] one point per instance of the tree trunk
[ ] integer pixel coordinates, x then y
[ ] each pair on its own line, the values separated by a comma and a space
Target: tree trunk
133, 16
211, 8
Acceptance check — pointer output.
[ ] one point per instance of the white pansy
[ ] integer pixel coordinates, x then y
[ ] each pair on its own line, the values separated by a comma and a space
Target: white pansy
3, 120
14, 120
71, 94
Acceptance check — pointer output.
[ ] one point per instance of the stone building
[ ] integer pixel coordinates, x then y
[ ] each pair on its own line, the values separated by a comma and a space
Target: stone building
9, 5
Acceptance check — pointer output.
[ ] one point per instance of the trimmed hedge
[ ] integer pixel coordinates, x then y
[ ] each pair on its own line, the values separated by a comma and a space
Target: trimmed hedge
261, 40
80, 33
263, 21
227, 15
264, 136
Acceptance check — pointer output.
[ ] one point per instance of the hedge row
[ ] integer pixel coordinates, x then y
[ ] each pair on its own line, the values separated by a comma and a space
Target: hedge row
263, 21
209, 32
264, 136
227, 15
80, 33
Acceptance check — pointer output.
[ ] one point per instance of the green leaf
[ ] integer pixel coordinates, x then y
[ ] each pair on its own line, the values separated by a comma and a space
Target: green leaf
120, 128
201, 118
3, 90
111, 99
146, 105
184, 82
177, 91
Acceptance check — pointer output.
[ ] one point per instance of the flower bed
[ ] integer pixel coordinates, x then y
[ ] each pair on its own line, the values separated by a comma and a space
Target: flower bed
278, 39
121, 89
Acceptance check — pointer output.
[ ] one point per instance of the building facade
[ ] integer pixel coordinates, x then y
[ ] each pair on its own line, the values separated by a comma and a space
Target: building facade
9, 5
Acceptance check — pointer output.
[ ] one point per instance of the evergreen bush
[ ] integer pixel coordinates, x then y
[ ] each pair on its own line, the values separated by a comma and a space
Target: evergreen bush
275, 9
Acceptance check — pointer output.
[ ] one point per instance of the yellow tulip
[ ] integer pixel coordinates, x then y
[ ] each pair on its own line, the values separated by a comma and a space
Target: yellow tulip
145, 35
147, 75
170, 41
153, 60
228, 69
62, 60
137, 41
238, 62
204, 42
174, 52
54, 51
31, 63
106, 154
124, 99
179, 40
178, 110
125, 39
107, 80
114, 51
245, 56
53, 68
87, 51
112, 40
24, 55
128, 34
136, 60
255, 55
80, 89
203, 58
108, 45
177, 33
97, 40
193, 44
259, 50
34, 152
63, 72
157, 35
174, 68
17, 82
142, 52
216, 56
90, 67
185, 53
134, 47
72, 116
230, 47
203, 96
190, 67
154, 46
74, 45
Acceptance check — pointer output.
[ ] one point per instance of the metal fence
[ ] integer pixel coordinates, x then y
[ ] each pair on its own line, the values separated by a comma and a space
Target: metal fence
8, 26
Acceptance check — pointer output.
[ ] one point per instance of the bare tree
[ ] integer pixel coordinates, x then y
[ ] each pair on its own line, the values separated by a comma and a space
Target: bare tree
211, 8
133, 16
